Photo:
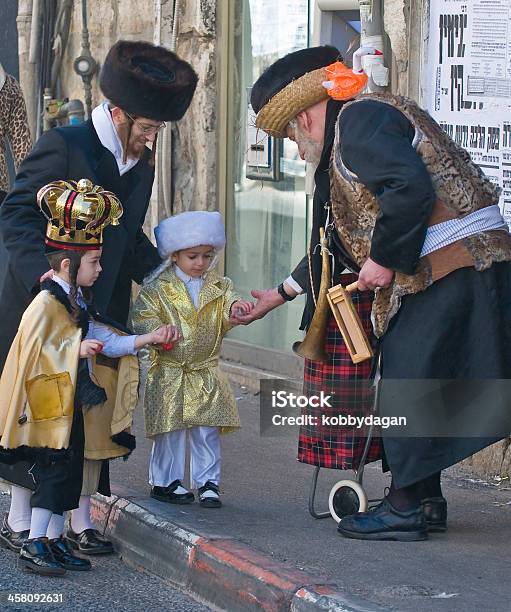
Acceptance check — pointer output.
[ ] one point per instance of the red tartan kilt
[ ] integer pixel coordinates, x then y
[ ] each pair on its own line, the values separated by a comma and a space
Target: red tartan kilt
331, 446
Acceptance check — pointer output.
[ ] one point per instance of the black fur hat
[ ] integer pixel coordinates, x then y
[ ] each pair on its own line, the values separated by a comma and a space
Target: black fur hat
147, 81
288, 68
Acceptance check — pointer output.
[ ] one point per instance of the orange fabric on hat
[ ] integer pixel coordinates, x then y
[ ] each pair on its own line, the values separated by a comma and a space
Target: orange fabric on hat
346, 84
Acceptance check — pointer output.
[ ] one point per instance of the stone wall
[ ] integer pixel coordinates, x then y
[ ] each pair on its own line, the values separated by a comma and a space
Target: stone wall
108, 21
186, 177
195, 175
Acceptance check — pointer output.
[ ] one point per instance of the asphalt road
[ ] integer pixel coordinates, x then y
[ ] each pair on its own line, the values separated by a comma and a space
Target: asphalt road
265, 495
110, 585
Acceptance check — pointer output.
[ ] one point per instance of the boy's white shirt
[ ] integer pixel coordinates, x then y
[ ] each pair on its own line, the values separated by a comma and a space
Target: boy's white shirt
107, 134
114, 345
193, 285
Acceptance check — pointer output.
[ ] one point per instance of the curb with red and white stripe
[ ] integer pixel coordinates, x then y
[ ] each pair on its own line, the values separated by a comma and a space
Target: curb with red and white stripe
222, 572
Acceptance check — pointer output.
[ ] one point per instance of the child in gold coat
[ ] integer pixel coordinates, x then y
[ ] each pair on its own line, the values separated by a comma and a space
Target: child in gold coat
186, 391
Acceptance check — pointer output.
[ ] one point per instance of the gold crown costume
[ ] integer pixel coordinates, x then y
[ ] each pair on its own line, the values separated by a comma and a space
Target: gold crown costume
77, 214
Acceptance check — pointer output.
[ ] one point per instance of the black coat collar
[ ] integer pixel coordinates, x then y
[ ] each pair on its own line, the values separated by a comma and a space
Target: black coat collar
61, 296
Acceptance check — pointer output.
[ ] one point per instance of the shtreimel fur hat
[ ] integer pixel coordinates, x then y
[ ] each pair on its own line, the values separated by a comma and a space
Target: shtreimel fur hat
147, 81
190, 229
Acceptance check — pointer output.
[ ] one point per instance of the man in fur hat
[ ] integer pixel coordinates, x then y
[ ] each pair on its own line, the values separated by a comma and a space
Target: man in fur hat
145, 86
420, 223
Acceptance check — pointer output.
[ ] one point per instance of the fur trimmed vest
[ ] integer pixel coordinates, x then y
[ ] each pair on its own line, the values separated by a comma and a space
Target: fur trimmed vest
461, 188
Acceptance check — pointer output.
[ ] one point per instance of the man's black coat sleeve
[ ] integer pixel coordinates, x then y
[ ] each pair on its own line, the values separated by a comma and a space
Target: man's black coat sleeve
22, 225
376, 144
144, 257
301, 273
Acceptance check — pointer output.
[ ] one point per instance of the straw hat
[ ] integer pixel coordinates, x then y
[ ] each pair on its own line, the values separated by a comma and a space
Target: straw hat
299, 80
300, 94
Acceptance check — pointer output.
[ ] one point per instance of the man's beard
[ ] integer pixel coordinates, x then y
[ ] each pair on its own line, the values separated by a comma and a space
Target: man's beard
311, 149
134, 149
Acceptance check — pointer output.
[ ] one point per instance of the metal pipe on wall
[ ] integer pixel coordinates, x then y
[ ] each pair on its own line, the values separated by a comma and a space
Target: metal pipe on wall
164, 156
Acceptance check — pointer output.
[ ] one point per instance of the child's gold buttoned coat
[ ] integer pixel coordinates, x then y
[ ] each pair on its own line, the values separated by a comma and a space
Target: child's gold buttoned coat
185, 387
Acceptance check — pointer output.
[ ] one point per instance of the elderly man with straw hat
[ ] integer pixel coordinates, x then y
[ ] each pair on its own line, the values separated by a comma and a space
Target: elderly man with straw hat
406, 209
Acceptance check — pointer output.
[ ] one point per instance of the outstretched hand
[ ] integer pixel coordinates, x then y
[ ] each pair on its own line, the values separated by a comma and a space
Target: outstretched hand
240, 307
266, 300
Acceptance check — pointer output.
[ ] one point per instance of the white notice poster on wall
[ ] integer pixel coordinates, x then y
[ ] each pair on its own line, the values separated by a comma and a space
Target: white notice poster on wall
468, 82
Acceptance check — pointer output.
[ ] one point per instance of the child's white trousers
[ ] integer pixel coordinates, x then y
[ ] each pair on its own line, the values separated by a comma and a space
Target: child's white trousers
167, 461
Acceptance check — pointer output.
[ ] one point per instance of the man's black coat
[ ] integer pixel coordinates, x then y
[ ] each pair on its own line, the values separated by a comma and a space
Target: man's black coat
72, 153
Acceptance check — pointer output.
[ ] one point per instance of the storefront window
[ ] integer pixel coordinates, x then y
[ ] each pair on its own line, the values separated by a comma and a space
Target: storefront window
266, 221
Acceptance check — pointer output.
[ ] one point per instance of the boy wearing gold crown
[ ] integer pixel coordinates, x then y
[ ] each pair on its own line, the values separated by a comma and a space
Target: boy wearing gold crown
52, 414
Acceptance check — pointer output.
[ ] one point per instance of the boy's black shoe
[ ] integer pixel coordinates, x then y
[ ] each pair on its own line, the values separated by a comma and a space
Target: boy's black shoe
209, 495
12, 539
168, 494
384, 522
89, 542
435, 513
36, 556
64, 555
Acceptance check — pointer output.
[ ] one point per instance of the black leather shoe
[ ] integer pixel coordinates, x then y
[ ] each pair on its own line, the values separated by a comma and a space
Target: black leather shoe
12, 539
384, 522
89, 542
168, 494
36, 556
209, 501
435, 513
64, 555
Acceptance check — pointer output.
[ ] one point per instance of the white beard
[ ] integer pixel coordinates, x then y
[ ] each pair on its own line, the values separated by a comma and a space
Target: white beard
312, 149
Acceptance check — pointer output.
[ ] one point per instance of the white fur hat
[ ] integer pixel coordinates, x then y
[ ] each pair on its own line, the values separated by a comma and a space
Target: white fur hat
190, 229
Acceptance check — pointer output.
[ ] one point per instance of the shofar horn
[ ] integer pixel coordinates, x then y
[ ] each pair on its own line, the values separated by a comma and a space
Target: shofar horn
313, 345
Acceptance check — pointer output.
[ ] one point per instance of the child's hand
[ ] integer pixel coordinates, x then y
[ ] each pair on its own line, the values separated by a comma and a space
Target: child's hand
166, 336
89, 348
241, 307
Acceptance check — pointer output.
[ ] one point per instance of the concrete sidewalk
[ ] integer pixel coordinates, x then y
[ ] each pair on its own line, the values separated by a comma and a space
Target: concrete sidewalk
263, 550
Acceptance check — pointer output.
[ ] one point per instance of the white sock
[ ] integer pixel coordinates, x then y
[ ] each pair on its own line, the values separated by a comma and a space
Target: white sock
20, 511
80, 517
56, 526
209, 493
39, 523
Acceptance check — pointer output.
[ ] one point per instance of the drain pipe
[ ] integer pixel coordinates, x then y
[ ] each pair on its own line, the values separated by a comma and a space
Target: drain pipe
164, 146
35, 31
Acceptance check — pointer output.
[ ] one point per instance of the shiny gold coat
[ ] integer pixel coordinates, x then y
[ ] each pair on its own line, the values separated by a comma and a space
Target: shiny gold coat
185, 387
39, 381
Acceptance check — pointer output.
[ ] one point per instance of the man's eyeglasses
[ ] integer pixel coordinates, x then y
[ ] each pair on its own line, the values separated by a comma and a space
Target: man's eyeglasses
147, 130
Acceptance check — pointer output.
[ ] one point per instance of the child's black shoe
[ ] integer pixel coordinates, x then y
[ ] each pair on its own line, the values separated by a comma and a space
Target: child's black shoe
36, 556
171, 495
209, 495
12, 539
64, 555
